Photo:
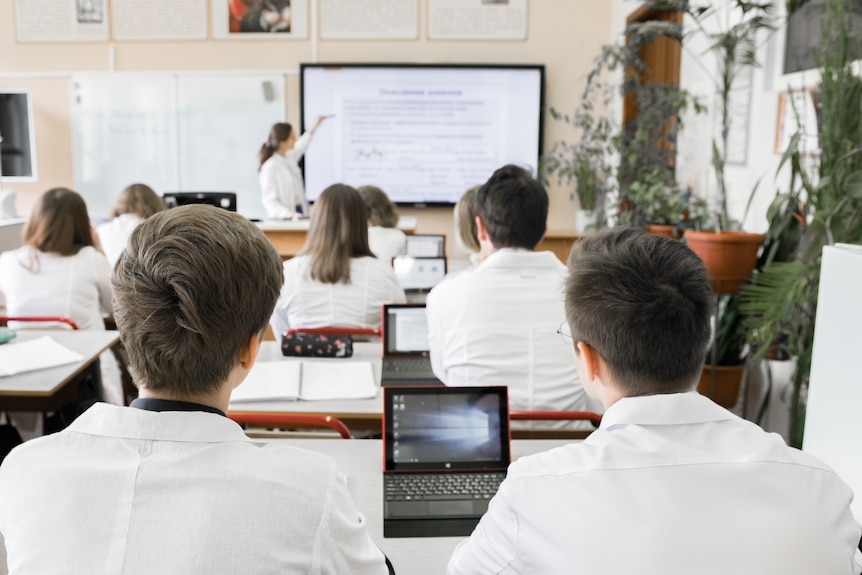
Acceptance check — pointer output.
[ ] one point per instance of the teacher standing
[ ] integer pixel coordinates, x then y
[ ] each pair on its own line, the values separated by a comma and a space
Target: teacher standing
280, 177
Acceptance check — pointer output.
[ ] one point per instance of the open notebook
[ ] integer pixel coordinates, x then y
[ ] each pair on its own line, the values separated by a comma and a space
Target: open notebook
307, 380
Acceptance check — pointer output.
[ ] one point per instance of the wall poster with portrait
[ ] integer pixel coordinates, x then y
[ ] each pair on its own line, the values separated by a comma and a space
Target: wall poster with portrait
260, 18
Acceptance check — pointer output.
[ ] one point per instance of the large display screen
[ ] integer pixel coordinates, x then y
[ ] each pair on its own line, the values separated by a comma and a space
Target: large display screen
421, 133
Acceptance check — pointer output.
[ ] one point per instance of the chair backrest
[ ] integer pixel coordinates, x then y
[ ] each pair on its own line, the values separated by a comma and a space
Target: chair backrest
590, 416
57, 320
290, 421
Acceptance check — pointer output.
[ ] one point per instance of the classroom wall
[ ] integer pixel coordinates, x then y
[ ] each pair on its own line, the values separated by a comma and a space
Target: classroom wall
565, 35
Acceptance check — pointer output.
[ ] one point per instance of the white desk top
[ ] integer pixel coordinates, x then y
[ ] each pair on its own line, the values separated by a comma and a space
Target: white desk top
362, 351
46, 382
360, 460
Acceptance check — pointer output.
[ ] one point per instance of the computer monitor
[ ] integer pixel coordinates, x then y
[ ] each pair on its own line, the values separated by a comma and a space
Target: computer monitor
426, 245
226, 200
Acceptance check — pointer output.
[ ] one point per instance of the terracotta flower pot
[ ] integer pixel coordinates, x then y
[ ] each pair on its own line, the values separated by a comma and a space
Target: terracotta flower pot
664, 231
729, 256
727, 381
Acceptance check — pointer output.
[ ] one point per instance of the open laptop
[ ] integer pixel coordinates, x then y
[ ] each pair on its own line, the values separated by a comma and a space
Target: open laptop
405, 346
446, 450
419, 274
426, 245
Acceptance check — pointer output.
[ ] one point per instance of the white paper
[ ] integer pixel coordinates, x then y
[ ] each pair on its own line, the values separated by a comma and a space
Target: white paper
306, 380
61, 20
375, 19
411, 329
33, 354
270, 380
477, 19
159, 19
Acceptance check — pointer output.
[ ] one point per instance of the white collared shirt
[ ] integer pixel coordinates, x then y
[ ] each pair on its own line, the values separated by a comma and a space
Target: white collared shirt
304, 302
386, 243
124, 490
281, 182
669, 484
114, 235
496, 324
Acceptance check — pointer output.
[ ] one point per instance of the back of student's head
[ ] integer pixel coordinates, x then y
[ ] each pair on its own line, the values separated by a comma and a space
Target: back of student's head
192, 287
279, 132
465, 220
59, 223
513, 207
381, 211
338, 232
643, 303
138, 199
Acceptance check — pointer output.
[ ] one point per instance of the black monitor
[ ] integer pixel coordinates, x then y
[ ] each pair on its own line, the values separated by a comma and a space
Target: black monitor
226, 200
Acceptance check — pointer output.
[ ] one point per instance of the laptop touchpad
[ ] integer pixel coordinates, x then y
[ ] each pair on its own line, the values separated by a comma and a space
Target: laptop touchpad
451, 507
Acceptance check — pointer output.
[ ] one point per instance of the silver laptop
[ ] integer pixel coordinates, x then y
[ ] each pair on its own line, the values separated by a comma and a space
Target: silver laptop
446, 451
419, 274
426, 245
405, 354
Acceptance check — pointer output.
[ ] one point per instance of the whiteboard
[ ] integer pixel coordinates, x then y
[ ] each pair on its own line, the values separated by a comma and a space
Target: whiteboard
173, 132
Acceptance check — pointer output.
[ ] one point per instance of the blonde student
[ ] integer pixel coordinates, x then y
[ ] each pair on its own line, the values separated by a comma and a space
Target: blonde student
281, 185
384, 238
464, 216
134, 204
335, 280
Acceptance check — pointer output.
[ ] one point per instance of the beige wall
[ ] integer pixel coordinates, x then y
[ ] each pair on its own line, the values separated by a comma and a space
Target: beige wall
564, 35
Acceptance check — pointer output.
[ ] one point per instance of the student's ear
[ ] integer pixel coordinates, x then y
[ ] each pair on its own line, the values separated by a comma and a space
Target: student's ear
248, 353
590, 359
481, 231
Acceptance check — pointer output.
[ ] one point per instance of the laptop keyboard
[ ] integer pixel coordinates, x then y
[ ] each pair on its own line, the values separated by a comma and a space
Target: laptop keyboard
408, 364
442, 486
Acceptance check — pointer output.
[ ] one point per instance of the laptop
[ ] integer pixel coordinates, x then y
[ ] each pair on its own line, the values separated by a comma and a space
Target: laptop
405, 346
419, 274
426, 245
446, 450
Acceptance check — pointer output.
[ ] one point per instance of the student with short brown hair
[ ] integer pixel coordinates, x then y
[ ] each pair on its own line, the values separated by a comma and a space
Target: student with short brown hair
169, 484
384, 239
335, 280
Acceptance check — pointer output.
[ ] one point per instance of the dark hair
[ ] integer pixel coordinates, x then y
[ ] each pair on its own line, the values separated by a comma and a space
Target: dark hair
279, 132
381, 211
513, 207
643, 303
338, 232
465, 220
182, 325
138, 199
59, 223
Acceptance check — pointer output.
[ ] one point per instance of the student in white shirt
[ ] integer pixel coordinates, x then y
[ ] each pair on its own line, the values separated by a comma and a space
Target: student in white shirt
280, 177
170, 484
384, 238
671, 483
335, 280
134, 204
496, 324
60, 271
464, 216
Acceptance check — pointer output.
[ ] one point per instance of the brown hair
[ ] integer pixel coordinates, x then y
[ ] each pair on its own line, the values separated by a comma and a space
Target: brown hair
337, 233
182, 325
643, 304
279, 132
59, 223
381, 211
138, 199
465, 220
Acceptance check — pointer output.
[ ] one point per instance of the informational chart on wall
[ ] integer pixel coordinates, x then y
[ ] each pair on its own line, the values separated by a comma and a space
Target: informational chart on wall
423, 134
186, 133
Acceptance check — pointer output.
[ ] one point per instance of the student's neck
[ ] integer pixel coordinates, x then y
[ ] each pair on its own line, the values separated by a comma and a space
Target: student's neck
219, 399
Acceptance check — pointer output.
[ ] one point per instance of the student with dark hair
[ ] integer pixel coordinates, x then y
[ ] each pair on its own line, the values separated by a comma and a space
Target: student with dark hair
280, 178
335, 280
670, 483
60, 271
169, 484
496, 323
135, 203
384, 239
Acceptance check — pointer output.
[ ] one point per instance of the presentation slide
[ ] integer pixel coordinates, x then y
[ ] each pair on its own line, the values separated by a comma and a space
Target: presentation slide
423, 134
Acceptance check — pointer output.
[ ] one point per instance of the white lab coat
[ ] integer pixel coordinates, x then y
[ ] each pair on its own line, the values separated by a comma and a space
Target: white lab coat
386, 243
281, 182
114, 235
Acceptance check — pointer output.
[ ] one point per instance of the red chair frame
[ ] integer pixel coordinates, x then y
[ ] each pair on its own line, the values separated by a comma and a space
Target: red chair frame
4, 319
290, 420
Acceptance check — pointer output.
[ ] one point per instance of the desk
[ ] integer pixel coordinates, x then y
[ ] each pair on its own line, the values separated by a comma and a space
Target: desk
357, 414
288, 236
360, 460
49, 389
559, 242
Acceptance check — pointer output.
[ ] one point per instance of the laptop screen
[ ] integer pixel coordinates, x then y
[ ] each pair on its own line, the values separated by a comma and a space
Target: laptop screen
446, 428
426, 246
405, 330
419, 273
